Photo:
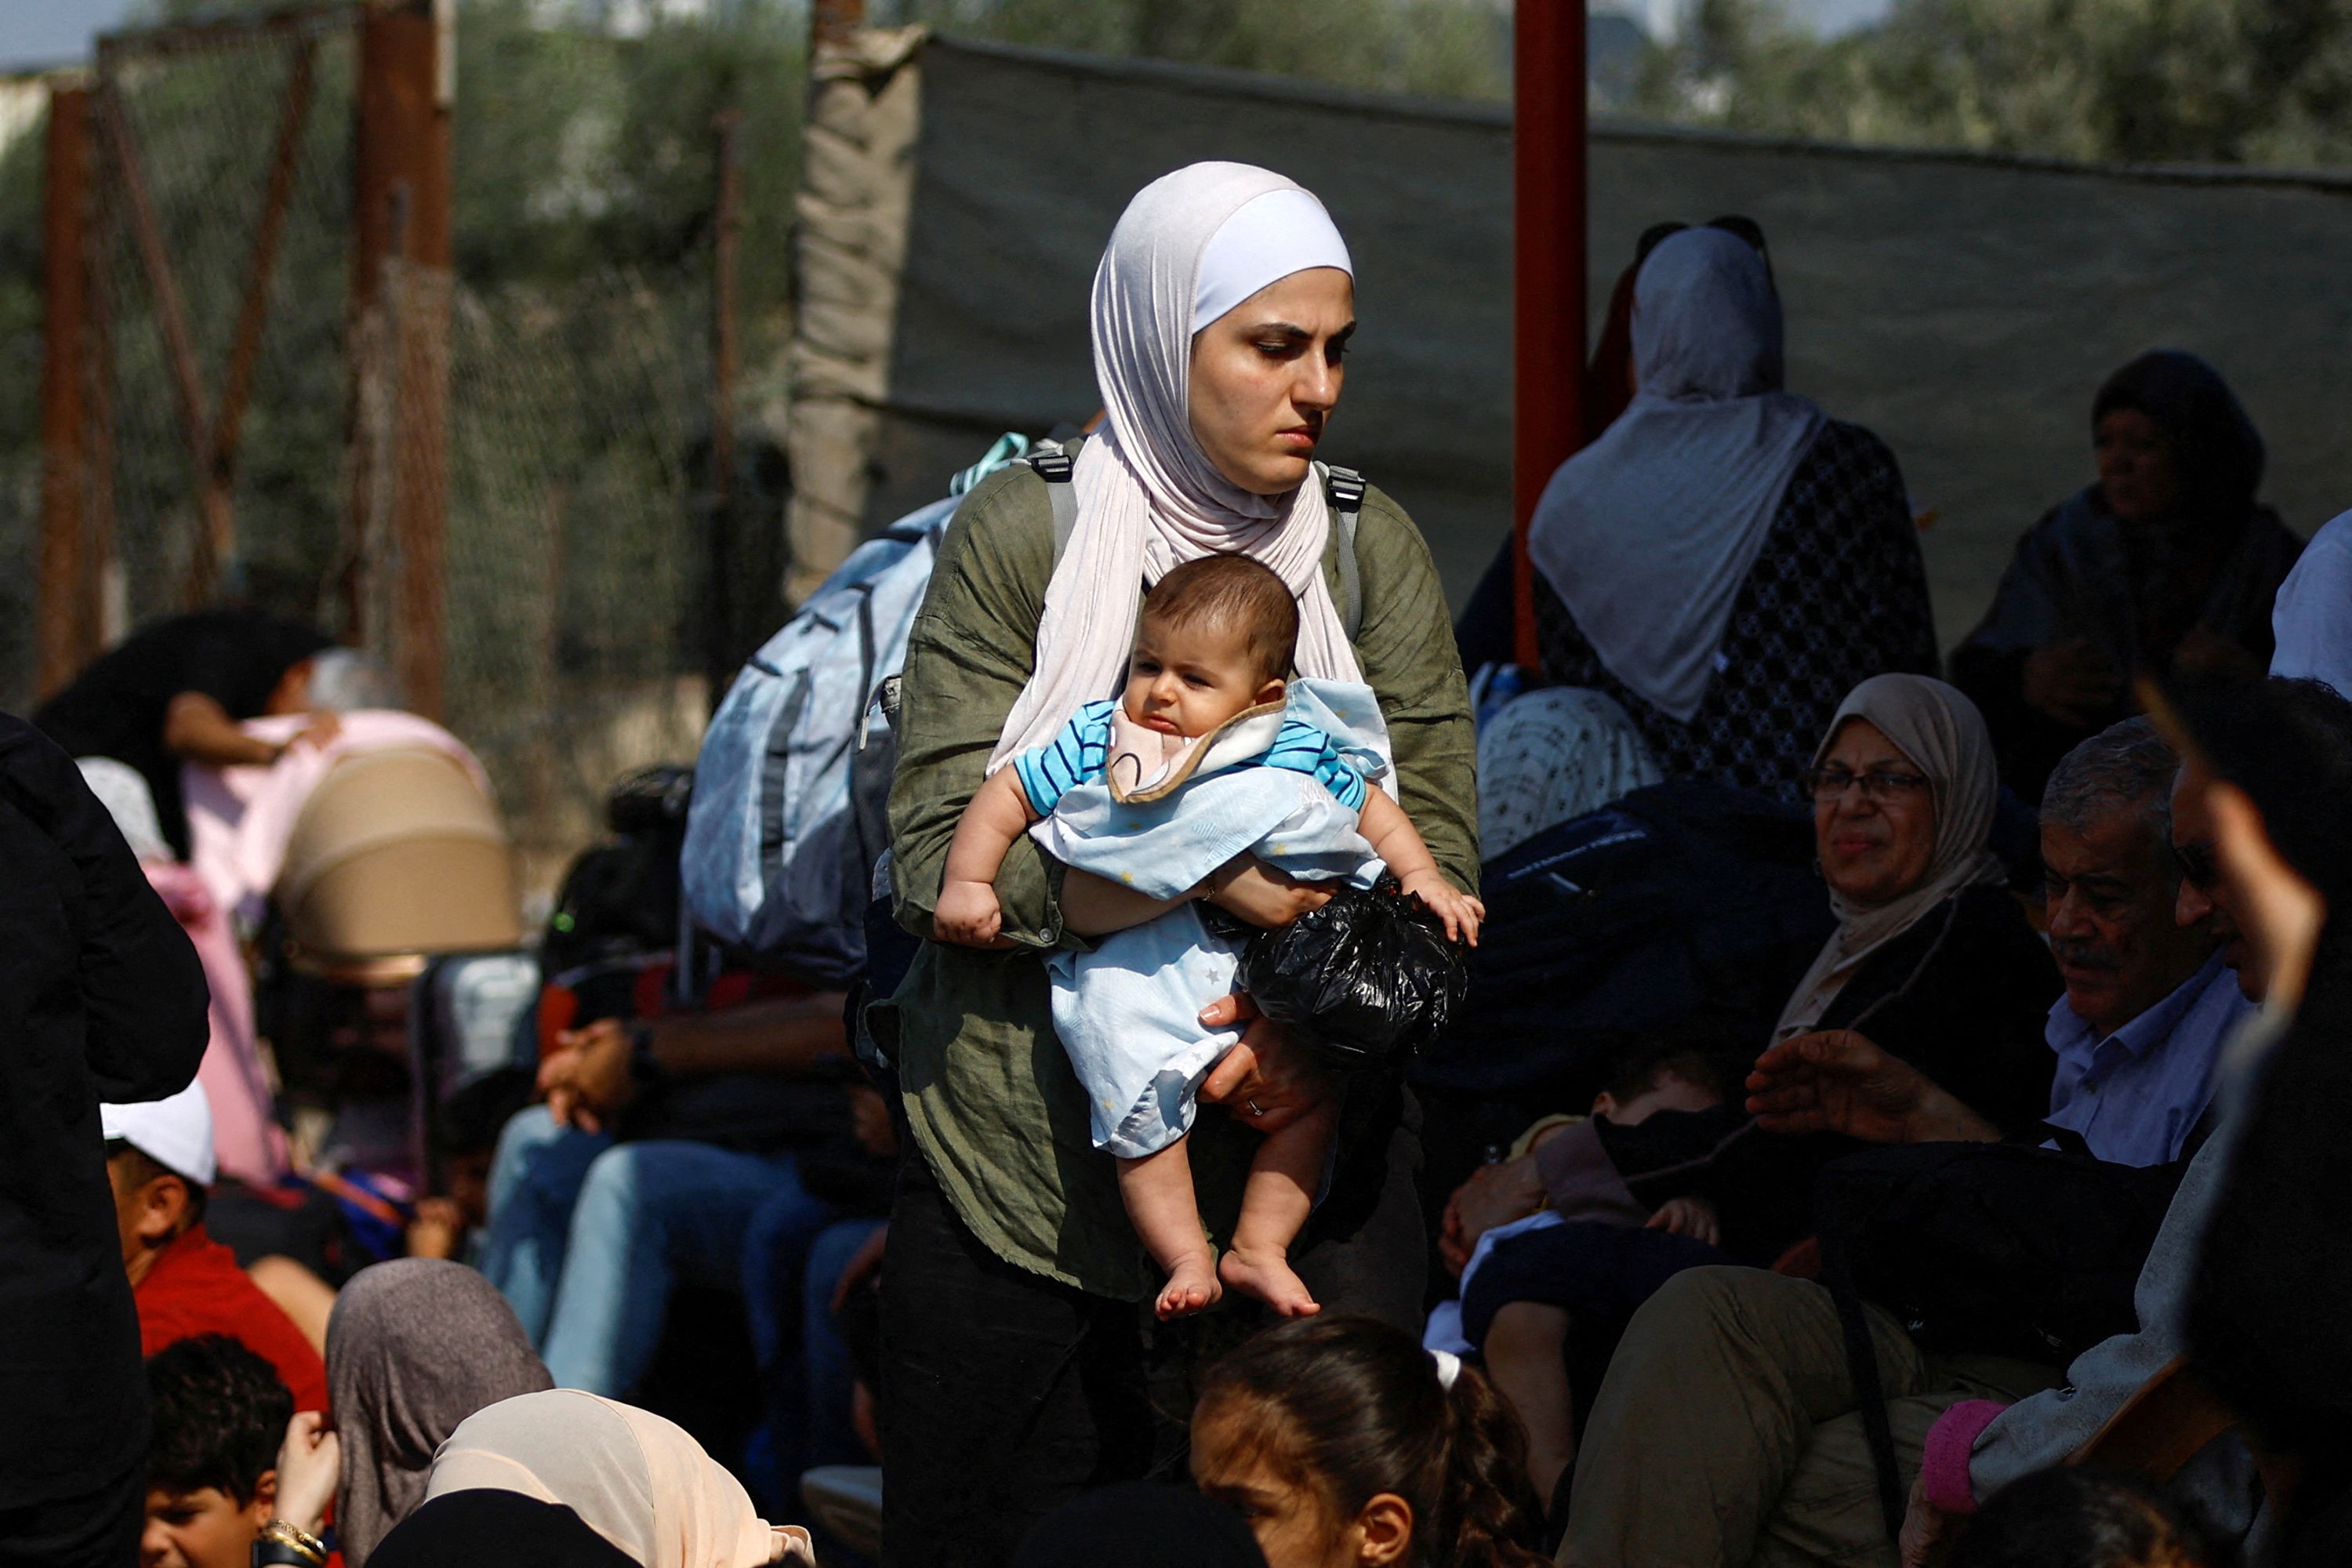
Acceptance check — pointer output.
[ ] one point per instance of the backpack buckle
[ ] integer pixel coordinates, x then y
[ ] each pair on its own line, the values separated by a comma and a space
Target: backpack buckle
1344, 488
1054, 466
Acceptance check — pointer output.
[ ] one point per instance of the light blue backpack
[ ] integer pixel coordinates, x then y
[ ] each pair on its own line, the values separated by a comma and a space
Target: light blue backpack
786, 827
773, 863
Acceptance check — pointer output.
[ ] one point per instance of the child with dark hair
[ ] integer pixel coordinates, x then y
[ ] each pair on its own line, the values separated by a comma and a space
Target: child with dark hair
218, 1414
1211, 752
466, 1136
2079, 1518
1624, 1205
1339, 1439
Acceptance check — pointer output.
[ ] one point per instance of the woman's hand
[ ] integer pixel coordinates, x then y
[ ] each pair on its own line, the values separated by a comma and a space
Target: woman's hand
1268, 1080
1249, 890
1494, 1195
1694, 1217
1837, 1080
310, 1468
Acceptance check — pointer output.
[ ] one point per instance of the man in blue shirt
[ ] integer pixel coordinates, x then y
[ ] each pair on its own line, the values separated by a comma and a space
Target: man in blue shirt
2149, 1002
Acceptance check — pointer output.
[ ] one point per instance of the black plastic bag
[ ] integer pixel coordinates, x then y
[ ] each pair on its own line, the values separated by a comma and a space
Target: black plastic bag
1369, 979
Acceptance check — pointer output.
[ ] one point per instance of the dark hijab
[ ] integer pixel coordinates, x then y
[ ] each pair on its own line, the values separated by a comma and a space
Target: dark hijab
2215, 446
482, 1529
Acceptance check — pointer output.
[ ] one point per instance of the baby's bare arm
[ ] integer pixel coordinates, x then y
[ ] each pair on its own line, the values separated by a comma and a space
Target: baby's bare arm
966, 911
1393, 836
998, 815
1400, 846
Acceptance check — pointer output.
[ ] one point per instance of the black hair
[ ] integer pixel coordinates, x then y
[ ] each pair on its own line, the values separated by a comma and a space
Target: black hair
218, 1415
1712, 1051
145, 1168
1233, 591
2288, 744
1353, 1408
2075, 1517
469, 1121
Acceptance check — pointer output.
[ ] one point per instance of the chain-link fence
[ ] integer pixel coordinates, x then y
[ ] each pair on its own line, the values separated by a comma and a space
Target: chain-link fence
249, 423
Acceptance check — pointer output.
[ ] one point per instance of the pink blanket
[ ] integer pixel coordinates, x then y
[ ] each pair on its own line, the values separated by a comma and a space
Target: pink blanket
240, 819
250, 1145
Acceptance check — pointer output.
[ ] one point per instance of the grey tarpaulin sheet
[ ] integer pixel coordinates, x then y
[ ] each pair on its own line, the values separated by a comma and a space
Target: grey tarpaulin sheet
1964, 307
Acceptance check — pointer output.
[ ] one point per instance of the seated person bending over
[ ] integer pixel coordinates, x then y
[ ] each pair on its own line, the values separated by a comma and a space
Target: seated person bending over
1933, 964
159, 1161
175, 692
1728, 1429
217, 1413
658, 1143
1213, 645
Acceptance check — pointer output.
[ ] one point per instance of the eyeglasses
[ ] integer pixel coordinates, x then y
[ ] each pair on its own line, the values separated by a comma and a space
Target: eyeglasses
1881, 785
2196, 863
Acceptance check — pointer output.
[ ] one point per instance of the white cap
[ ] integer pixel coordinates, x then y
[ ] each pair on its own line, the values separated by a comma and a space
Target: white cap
176, 1133
124, 792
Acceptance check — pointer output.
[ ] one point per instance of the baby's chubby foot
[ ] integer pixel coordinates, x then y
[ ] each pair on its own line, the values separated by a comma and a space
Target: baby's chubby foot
1191, 1288
1265, 1273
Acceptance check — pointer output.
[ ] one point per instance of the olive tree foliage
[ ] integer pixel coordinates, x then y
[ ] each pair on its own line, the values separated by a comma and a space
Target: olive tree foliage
2213, 82
1439, 49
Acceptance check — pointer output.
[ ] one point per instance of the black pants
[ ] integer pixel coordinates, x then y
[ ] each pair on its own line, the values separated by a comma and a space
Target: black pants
98, 1529
1005, 1393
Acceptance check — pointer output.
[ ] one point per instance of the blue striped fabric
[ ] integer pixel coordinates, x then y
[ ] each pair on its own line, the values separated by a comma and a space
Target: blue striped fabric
1074, 756
1303, 749
1077, 756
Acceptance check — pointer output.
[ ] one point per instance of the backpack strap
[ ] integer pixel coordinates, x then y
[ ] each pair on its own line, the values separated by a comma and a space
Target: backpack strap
1343, 490
1055, 465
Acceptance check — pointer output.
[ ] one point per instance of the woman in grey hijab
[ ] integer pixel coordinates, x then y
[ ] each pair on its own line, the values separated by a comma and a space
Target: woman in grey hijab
1726, 563
414, 1347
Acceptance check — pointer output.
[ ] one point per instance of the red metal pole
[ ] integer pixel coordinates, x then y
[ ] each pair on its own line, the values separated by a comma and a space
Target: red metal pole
1547, 268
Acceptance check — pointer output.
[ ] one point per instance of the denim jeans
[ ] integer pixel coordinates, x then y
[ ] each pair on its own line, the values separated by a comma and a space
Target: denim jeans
790, 1268
587, 1235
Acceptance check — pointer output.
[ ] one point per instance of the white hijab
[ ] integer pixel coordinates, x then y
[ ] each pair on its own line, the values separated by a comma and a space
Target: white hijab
2311, 617
1648, 533
639, 1482
1190, 247
1940, 731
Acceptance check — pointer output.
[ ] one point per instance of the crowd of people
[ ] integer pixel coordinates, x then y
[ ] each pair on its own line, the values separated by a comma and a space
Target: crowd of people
2010, 1232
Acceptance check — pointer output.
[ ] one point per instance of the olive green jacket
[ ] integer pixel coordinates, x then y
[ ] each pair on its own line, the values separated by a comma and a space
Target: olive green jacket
996, 1110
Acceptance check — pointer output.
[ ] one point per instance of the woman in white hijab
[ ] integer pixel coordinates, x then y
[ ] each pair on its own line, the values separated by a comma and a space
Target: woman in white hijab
1726, 563
1222, 311
638, 1482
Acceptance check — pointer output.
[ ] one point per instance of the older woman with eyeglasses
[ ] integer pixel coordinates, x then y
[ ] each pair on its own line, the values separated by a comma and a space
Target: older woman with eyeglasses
1922, 1013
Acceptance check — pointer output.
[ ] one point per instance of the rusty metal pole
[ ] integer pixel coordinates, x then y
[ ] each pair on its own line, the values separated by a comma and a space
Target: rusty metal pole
400, 311
1547, 145
720, 653
69, 619
834, 22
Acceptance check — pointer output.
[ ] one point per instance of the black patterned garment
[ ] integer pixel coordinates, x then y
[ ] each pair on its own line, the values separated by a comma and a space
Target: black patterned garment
1838, 594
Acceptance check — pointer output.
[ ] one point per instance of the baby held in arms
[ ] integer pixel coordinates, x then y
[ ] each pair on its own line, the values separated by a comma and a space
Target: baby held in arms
1209, 753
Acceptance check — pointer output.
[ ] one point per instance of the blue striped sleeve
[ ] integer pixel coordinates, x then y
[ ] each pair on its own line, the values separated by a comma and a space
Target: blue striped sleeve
1303, 749
1075, 756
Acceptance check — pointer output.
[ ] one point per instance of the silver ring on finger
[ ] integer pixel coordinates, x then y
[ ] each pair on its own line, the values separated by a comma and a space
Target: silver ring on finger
1255, 1108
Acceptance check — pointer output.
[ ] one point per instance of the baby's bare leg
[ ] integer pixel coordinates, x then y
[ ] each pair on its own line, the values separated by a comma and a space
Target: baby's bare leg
1158, 1191
1275, 1206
